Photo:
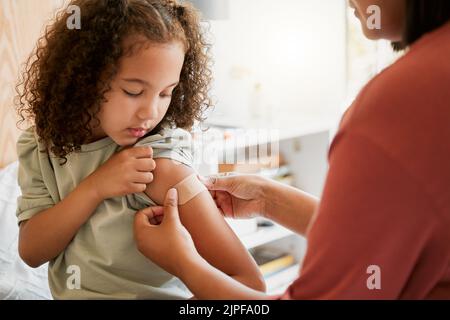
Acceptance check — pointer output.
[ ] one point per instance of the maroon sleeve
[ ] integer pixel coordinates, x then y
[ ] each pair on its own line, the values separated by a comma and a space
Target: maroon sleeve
373, 214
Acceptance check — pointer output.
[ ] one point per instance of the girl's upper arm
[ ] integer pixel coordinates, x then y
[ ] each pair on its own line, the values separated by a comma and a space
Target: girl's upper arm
213, 237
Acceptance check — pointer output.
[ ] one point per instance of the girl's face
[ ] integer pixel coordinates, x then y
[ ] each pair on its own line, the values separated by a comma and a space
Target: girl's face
140, 93
392, 17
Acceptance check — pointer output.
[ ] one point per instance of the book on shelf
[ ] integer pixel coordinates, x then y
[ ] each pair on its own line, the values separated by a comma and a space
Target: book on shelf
272, 261
274, 266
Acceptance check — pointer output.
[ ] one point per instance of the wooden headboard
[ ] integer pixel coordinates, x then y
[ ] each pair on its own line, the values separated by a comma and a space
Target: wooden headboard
21, 23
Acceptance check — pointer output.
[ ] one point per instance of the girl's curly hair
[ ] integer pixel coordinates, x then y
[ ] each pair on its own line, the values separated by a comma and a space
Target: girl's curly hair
67, 76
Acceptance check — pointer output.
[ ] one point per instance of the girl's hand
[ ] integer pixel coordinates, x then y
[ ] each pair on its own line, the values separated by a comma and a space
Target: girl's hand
126, 172
161, 237
238, 196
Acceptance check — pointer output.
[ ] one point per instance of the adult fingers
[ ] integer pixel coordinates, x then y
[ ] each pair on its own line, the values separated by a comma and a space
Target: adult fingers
171, 206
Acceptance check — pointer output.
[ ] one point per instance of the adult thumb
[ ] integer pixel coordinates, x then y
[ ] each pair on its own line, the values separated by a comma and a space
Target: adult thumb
216, 183
171, 205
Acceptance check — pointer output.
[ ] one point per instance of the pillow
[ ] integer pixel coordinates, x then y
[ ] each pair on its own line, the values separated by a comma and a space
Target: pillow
17, 280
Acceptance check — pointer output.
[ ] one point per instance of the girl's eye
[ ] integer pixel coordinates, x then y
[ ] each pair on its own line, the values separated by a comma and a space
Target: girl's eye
132, 94
165, 95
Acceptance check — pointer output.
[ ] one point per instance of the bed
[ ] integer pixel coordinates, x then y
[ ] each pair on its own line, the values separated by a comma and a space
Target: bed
17, 280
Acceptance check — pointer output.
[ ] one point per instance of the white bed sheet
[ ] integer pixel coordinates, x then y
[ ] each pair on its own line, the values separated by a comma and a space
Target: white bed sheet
17, 280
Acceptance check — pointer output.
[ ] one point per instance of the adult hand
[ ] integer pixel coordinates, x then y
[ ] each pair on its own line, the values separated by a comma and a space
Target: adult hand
238, 196
128, 171
162, 238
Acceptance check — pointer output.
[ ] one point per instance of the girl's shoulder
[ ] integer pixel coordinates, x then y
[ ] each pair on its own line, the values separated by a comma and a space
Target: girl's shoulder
168, 138
175, 144
28, 143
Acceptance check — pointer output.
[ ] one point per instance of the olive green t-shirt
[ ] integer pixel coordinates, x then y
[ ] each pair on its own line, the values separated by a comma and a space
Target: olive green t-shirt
102, 256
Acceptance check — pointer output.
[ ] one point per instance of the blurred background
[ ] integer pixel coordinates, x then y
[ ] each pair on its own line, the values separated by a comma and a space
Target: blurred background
277, 64
284, 72
302, 57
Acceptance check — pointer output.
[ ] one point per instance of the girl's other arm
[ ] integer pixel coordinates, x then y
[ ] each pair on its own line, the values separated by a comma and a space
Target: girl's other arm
45, 235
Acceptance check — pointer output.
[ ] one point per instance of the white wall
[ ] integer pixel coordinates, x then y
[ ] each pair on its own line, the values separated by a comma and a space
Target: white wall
296, 49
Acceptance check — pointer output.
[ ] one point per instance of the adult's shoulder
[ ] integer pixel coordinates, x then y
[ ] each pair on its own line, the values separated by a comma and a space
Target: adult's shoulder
412, 92
405, 110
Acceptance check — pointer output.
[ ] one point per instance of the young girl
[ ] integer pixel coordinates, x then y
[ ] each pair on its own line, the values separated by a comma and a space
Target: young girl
134, 71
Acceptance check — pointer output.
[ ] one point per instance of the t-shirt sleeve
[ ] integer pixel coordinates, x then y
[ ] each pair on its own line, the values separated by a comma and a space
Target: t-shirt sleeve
35, 196
372, 230
174, 144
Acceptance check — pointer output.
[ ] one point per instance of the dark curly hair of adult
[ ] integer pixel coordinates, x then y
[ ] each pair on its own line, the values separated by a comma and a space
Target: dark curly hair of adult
68, 74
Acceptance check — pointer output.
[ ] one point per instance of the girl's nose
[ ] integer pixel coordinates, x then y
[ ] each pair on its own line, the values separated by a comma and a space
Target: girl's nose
148, 111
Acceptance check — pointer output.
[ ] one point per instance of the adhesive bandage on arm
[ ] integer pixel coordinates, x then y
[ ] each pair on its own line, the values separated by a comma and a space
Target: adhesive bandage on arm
188, 188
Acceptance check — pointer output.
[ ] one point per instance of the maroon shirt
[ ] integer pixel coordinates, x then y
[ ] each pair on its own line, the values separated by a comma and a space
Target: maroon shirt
386, 201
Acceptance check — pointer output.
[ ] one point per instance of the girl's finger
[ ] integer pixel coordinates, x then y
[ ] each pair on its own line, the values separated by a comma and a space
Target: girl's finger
145, 164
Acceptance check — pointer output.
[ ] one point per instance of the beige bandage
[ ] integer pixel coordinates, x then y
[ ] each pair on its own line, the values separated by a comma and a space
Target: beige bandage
189, 188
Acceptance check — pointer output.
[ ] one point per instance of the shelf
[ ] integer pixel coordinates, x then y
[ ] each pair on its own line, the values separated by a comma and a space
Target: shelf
265, 235
245, 138
255, 133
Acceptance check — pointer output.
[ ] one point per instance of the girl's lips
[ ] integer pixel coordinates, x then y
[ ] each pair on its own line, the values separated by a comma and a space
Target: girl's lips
137, 133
